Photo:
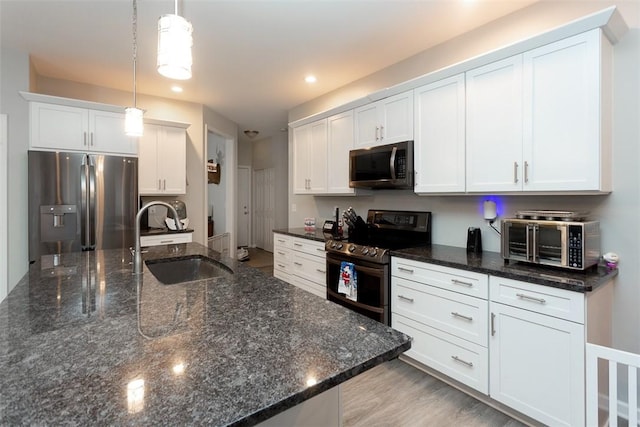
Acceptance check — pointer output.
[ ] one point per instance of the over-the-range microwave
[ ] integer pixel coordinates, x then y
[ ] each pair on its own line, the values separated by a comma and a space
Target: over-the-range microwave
384, 166
573, 245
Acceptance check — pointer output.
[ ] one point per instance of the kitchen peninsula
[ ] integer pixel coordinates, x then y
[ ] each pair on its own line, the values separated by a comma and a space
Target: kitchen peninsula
84, 341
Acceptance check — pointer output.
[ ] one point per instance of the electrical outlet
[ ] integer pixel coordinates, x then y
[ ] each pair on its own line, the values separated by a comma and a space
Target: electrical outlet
294, 208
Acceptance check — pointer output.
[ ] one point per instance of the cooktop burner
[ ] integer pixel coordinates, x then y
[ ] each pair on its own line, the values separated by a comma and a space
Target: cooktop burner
551, 215
383, 231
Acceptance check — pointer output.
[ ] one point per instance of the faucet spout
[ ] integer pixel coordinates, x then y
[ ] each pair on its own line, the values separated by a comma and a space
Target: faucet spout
137, 256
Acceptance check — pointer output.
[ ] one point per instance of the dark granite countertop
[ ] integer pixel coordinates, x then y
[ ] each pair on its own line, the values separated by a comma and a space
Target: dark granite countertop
316, 235
492, 263
157, 231
85, 342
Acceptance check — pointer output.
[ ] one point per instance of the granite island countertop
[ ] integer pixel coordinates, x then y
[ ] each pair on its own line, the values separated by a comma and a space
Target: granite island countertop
83, 341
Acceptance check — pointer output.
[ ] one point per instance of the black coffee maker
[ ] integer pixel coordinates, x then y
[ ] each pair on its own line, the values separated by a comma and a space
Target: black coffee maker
474, 240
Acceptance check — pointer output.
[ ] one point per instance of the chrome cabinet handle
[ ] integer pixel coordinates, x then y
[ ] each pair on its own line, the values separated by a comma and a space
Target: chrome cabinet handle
281, 253
530, 298
164, 184
464, 362
493, 324
377, 130
281, 241
460, 282
381, 133
402, 297
526, 172
462, 316
320, 271
159, 184
84, 140
297, 244
515, 172
280, 265
320, 249
406, 270
91, 139
166, 241
298, 264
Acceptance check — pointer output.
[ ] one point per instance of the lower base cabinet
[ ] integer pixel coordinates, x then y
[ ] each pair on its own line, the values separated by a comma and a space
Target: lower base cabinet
300, 262
166, 239
523, 345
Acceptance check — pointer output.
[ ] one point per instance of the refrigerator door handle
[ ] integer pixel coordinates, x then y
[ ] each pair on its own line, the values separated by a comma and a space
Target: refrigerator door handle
85, 224
92, 205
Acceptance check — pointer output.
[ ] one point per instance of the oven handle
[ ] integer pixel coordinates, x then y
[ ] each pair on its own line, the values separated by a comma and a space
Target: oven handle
377, 272
392, 163
353, 303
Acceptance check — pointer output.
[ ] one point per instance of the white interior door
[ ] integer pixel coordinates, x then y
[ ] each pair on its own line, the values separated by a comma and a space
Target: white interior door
244, 205
264, 203
3, 208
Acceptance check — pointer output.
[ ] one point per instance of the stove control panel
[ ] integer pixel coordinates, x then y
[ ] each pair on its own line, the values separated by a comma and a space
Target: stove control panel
356, 251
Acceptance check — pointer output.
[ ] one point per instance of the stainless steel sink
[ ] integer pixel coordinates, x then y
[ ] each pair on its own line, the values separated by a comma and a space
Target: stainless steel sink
190, 268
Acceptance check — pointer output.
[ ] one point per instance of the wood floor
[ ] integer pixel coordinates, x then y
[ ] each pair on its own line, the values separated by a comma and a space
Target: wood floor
399, 395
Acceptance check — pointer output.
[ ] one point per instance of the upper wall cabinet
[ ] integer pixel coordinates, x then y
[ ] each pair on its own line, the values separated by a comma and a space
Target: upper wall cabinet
63, 127
440, 136
340, 140
310, 158
162, 164
384, 122
540, 121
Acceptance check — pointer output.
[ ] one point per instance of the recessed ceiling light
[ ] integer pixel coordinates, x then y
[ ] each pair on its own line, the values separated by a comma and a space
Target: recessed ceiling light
310, 79
176, 89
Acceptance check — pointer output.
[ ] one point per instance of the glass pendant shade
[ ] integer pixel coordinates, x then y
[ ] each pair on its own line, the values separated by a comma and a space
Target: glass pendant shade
174, 47
133, 123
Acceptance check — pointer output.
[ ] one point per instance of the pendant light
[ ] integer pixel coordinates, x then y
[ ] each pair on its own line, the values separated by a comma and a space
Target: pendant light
174, 46
133, 124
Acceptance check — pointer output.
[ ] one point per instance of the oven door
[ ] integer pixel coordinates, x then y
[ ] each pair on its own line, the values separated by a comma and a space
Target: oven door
372, 284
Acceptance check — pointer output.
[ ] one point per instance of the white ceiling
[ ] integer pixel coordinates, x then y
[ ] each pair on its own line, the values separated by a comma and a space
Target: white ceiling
250, 57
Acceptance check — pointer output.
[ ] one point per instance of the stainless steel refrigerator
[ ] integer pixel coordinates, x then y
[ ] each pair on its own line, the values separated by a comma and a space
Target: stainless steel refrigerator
81, 202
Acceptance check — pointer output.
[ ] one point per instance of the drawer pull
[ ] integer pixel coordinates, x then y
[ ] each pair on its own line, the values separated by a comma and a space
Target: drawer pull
320, 249
281, 266
530, 298
462, 316
402, 297
460, 282
464, 362
297, 244
281, 253
406, 270
320, 271
298, 264
493, 324
281, 241
166, 241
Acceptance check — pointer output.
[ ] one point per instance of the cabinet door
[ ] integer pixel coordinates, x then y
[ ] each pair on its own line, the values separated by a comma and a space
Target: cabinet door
562, 116
148, 175
494, 126
340, 140
537, 365
58, 127
440, 136
106, 134
317, 157
367, 126
172, 159
396, 120
301, 142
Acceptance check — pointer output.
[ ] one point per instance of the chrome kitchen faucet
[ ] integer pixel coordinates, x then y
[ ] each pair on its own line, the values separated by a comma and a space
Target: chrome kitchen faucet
137, 254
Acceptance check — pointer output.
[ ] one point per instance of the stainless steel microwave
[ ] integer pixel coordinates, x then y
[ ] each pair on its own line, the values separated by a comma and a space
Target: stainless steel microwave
566, 244
384, 166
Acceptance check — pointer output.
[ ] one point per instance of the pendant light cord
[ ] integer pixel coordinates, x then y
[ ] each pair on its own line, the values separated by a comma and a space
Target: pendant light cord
135, 48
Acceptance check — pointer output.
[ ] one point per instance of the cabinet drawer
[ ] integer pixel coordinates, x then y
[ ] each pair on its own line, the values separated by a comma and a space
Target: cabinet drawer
282, 274
282, 255
460, 315
309, 286
310, 247
453, 279
555, 302
282, 241
461, 360
310, 268
165, 239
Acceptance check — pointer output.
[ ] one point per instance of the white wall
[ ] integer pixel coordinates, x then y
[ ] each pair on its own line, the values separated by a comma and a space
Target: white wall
14, 77
617, 212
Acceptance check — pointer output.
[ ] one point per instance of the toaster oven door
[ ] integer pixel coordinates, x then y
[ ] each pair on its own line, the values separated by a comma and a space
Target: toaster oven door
534, 242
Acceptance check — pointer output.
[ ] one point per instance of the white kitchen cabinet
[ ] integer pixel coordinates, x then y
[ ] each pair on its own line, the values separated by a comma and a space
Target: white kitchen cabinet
300, 262
494, 126
537, 347
540, 121
384, 122
439, 145
162, 160
567, 99
340, 141
69, 128
445, 310
310, 158
165, 239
